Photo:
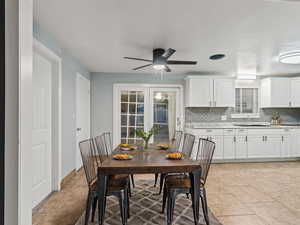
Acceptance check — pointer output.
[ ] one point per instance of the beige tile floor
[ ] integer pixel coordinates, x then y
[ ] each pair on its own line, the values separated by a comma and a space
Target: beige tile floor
238, 194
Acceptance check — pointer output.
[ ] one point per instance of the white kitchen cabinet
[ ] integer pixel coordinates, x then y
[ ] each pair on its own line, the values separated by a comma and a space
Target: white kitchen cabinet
256, 146
272, 146
209, 92
241, 147
295, 143
286, 145
275, 92
218, 139
199, 92
280, 92
229, 147
224, 93
295, 92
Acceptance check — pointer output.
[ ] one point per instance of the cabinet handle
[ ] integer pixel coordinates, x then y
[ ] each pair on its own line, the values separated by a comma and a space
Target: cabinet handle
282, 138
246, 139
234, 139
263, 138
266, 138
208, 130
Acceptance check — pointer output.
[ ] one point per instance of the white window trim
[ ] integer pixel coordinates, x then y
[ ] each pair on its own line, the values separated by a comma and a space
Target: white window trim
248, 115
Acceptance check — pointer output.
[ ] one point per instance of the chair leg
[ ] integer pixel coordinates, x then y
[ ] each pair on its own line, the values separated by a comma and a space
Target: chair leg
156, 178
94, 208
128, 204
162, 179
129, 190
204, 206
132, 180
170, 207
165, 194
122, 203
88, 208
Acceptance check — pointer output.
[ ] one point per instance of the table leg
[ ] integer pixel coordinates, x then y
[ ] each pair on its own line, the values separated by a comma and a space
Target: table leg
195, 181
102, 188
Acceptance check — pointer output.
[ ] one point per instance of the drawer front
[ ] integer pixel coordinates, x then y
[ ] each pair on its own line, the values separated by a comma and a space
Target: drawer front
265, 131
241, 132
207, 132
229, 132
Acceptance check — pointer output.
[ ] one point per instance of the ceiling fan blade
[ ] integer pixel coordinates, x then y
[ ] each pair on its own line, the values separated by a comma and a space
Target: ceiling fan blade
140, 67
176, 62
169, 52
139, 59
167, 69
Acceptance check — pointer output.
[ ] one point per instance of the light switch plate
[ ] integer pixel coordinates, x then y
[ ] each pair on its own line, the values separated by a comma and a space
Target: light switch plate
224, 117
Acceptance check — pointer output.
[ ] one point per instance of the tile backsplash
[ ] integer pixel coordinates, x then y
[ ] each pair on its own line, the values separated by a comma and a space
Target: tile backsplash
197, 115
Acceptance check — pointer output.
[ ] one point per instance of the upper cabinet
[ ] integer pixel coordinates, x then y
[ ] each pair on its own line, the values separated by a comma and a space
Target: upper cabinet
280, 92
209, 92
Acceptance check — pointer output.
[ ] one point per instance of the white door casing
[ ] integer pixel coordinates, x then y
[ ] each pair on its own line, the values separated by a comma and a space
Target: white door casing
148, 114
82, 114
42, 129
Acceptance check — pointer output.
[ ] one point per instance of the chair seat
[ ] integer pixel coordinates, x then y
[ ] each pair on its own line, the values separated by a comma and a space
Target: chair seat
178, 182
115, 182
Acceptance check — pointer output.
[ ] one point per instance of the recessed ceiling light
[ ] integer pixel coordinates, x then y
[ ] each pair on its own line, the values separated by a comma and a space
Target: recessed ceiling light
217, 56
290, 57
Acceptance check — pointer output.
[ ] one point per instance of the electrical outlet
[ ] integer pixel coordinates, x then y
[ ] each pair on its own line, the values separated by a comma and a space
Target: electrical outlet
224, 117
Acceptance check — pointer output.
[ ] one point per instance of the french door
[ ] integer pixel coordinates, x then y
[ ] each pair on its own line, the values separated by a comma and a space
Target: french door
142, 107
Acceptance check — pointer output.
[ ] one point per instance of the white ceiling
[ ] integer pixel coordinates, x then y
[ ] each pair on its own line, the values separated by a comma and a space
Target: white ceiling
250, 32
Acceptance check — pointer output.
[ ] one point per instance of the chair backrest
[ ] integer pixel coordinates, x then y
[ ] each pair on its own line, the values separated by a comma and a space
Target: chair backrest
188, 144
87, 154
108, 143
205, 154
176, 141
100, 145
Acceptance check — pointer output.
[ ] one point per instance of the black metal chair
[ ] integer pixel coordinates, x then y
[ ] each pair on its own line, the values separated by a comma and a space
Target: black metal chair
187, 150
116, 187
181, 184
175, 145
104, 147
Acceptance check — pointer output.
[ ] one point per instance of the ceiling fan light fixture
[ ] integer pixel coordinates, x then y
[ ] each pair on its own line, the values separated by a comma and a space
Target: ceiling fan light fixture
159, 66
290, 57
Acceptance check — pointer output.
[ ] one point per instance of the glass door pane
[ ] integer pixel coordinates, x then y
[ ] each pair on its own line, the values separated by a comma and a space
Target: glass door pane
164, 114
132, 116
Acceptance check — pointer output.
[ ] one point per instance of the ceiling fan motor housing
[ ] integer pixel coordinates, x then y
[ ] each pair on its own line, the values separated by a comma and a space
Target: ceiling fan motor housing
158, 56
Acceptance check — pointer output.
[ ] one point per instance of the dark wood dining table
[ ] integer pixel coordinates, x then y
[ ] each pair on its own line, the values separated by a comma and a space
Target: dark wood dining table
148, 161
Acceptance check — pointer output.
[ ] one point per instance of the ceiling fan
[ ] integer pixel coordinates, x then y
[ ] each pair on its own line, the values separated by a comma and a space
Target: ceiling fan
160, 60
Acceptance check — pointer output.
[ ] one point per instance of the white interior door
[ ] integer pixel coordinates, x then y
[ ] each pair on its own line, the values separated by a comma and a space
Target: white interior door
82, 113
41, 133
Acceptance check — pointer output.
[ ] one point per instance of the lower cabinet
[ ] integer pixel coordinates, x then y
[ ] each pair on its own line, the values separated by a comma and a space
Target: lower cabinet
251, 144
241, 147
218, 154
229, 147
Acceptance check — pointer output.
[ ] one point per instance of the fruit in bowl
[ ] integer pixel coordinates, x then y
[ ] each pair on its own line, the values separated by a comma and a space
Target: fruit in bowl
127, 147
122, 156
175, 155
163, 146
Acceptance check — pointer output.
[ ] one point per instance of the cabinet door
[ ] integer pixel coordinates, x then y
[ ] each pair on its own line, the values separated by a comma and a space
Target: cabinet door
199, 92
229, 143
286, 146
272, 147
256, 146
295, 143
218, 154
295, 92
224, 93
280, 92
241, 147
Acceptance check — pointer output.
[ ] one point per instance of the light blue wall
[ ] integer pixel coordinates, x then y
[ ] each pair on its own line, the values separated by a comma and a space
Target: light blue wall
102, 94
70, 67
